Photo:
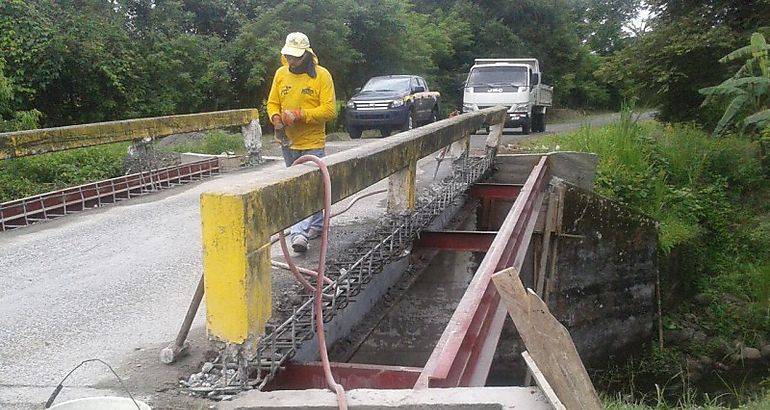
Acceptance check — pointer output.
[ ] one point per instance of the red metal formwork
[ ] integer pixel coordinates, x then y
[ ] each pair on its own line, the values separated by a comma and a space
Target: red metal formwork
22, 212
496, 191
351, 375
463, 355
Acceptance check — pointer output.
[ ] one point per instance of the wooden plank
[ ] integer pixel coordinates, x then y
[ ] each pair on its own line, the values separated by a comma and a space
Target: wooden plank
548, 342
557, 227
541, 381
550, 222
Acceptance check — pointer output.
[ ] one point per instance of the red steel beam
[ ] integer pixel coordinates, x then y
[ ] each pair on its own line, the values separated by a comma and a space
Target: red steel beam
497, 191
463, 355
351, 375
461, 241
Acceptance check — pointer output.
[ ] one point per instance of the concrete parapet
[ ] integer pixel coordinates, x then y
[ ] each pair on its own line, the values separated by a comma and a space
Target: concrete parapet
226, 162
33, 142
459, 398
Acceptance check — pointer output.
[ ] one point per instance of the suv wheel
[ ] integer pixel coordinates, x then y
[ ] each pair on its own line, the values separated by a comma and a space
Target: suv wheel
433, 115
355, 133
409, 124
385, 131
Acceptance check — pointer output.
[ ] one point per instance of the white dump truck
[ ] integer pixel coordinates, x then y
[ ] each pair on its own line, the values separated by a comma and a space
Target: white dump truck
514, 83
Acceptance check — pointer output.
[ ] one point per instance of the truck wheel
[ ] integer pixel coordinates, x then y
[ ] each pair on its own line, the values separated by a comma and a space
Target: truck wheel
409, 124
355, 133
525, 128
538, 122
385, 132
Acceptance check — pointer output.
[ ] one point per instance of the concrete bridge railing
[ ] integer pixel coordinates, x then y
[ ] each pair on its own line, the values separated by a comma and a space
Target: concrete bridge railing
40, 141
238, 222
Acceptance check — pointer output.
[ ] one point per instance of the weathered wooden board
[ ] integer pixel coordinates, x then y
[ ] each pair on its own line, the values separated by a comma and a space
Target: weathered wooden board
548, 342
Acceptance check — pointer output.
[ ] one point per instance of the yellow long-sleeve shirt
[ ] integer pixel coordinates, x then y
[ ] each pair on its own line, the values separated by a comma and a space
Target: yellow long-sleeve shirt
316, 98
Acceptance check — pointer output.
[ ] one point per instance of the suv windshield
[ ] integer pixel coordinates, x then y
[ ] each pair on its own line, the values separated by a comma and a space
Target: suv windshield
500, 75
387, 84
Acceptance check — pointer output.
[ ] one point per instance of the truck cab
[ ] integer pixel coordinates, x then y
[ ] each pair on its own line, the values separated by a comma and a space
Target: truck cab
514, 83
388, 103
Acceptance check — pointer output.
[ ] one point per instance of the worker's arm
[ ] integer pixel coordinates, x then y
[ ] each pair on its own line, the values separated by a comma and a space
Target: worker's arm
273, 99
328, 107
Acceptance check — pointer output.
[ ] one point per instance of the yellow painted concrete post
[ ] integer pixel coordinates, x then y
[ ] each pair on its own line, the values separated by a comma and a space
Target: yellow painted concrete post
236, 267
402, 188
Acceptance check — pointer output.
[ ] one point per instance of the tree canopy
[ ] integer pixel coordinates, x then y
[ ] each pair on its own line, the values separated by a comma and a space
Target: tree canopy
75, 61
680, 54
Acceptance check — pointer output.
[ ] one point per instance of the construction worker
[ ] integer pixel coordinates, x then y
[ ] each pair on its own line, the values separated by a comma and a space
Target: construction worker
301, 101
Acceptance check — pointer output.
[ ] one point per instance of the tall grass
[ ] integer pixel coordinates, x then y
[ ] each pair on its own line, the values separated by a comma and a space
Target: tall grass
675, 174
688, 403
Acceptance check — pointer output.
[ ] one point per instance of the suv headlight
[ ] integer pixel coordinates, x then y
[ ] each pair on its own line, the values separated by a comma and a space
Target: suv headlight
396, 103
351, 105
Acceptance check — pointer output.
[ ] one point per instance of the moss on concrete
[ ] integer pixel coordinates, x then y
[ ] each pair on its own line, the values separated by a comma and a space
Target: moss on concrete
33, 142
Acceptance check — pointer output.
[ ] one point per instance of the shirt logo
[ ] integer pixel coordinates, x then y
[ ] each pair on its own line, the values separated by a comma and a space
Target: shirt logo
308, 91
285, 90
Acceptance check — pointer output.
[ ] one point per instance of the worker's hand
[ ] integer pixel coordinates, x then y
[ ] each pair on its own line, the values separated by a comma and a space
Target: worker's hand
279, 137
291, 117
277, 121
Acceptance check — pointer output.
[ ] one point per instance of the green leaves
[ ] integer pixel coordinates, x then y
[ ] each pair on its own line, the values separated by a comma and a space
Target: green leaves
748, 89
760, 119
733, 110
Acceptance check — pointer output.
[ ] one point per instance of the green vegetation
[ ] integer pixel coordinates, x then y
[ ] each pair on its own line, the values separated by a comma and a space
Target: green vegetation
677, 53
688, 403
749, 88
74, 62
215, 143
28, 176
710, 196
10, 119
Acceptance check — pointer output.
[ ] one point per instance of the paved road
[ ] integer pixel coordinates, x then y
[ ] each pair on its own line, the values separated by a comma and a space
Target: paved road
114, 283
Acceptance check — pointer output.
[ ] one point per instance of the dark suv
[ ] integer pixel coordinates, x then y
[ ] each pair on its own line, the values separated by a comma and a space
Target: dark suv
393, 102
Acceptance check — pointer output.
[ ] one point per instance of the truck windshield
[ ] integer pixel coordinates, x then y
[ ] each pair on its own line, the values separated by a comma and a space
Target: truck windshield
499, 75
387, 84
